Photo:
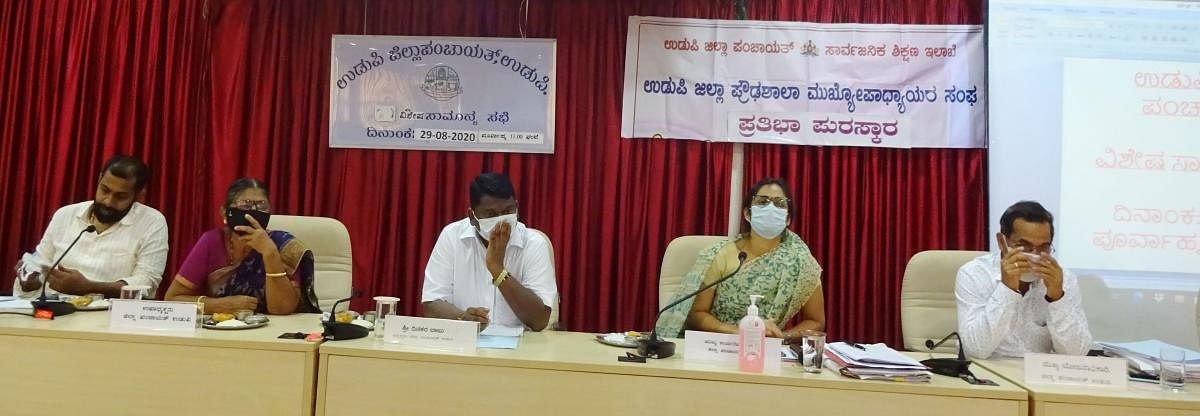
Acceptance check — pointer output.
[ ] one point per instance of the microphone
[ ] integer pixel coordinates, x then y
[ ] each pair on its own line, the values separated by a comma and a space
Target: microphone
339, 331
953, 367
655, 347
53, 308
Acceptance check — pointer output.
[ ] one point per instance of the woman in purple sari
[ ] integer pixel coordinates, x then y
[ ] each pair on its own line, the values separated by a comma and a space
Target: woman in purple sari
242, 265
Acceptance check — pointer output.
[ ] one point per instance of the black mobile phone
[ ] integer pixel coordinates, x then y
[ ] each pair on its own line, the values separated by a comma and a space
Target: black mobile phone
237, 216
631, 358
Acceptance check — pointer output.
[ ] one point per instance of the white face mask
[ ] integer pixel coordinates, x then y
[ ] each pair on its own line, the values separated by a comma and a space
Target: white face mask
768, 221
486, 225
1030, 277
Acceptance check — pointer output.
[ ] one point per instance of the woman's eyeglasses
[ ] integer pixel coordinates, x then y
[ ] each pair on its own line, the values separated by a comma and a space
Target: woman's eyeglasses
763, 200
252, 205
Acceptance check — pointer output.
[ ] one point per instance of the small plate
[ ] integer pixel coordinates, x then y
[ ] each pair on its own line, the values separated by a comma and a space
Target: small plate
89, 307
618, 339
208, 323
353, 315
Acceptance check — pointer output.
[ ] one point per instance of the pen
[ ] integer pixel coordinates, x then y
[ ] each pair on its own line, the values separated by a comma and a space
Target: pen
856, 345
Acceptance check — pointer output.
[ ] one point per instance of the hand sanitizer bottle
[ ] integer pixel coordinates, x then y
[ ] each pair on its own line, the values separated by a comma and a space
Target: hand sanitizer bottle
752, 338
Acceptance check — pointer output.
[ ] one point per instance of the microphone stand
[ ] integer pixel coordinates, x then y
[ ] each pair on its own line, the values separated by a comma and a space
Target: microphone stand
655, 347
953, 367
43, 306
339, 331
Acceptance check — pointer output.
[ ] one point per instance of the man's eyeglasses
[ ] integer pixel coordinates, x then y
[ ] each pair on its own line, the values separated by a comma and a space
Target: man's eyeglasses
763, 200
1030, 248
252, 205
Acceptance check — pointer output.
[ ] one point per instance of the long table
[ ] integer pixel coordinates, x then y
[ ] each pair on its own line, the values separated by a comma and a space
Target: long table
571, 373
1137, 399
75, 365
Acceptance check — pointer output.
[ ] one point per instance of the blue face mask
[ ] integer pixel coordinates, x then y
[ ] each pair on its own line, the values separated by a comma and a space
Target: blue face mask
768, 221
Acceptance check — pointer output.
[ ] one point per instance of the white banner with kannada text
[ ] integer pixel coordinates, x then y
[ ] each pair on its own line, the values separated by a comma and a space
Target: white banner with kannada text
805, 83
442, 93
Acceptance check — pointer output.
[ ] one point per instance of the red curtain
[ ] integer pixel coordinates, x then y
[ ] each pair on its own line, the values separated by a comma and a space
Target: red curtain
82, 80
213, 90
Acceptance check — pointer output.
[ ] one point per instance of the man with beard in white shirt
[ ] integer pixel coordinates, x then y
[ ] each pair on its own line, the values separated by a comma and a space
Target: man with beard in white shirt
488, 267
1020, 300
128, 247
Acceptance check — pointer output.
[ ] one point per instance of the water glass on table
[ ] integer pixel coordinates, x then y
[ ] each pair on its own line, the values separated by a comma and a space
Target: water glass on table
134, 292
812, 346
1172, 368
384, 306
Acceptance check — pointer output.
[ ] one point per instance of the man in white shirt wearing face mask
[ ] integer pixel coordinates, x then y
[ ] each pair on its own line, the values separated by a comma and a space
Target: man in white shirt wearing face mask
488, 267
1020, 300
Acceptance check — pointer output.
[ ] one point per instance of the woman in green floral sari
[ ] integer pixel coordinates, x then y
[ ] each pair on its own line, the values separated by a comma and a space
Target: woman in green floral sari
778, 266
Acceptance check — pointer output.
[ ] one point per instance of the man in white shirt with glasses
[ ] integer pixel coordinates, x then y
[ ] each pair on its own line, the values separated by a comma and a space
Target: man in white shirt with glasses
1020, 299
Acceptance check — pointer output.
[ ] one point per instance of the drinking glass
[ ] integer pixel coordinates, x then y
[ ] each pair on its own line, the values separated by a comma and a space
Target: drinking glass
384, 306
134, 292
812, 344
1172, 368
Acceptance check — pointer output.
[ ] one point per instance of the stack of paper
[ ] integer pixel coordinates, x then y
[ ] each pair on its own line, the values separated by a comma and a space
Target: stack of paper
1143, 358
874, 362
500, 336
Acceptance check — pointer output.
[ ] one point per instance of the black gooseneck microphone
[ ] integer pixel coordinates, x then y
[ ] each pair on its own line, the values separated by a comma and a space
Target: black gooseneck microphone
57, 307
953, 367
655, 347
338, 331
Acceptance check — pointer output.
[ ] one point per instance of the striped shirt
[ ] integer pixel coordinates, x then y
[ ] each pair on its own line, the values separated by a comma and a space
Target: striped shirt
133, 250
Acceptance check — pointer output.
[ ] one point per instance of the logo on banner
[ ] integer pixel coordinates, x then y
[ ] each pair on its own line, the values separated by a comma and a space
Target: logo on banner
809, 49
442, 83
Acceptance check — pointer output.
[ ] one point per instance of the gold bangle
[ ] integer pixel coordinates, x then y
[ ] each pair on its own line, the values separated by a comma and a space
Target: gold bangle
280, 274
500, 279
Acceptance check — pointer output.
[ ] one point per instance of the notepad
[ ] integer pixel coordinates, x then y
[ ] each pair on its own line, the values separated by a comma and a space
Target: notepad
503, 331
498, 342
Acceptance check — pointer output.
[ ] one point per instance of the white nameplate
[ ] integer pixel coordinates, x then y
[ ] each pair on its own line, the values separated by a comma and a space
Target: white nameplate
720, 348
150, 315
440, 334
1076, 370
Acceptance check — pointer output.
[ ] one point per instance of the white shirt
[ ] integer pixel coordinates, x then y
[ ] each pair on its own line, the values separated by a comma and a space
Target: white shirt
995, 321
134, 249
457, 271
